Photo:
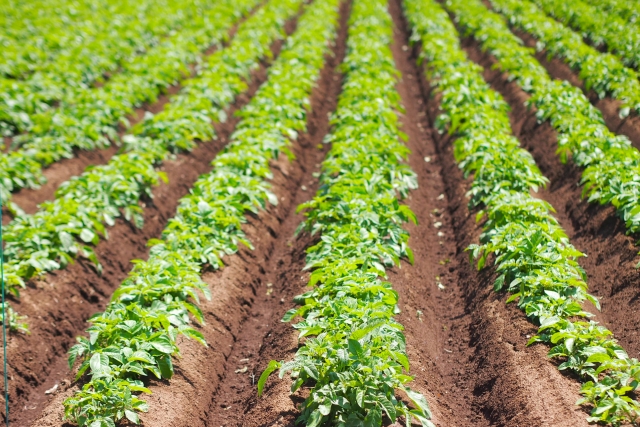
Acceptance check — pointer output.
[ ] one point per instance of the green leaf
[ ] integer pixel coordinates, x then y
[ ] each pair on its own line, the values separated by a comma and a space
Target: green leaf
388, 407
355, 348
166, 366
373, 417
99, 363
271, 367
132, 416
66, 239
289, 315
87, 235
315, 419
361, 333
163, 344
598, 358
418, 400
325, 407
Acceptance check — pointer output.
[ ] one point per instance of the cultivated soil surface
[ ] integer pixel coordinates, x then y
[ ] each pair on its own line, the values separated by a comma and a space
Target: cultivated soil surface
595, 230
610, 108
57, 173
59, 304
467, 348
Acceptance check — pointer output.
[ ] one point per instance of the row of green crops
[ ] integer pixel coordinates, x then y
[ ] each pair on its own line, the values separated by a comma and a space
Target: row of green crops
533, 256
110, 44
19, 19
626, 9
86, 205
598, 26
354, 354
611, 164
601, 72
136, 336
35, 32
90, 118
23, 105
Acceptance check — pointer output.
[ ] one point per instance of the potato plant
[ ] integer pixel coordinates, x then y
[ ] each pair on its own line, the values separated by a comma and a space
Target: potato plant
136, 335
353, 357
88, 117
85, 206
532, 254
83, 57
603, 29
36, 34
45, 30
625, 9
611, 164
601, 72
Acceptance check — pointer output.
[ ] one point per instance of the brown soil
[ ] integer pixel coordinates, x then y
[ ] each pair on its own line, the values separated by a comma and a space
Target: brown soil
263, 337
593, 229
59, 304
63, 170
6, 143
240, 289
467, 348
610, 108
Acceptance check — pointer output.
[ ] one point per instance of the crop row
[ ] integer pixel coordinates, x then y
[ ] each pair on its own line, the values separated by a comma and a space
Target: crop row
33, 32
626, 9
533, 256
601, 72
354, 357
86, 205
110, 44
611, 164
136, 335
600, 27
90, 118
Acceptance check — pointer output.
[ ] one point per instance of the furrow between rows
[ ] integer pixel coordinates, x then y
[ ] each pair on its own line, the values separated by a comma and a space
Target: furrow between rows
596, 230
259, 144
90, 117
58, 304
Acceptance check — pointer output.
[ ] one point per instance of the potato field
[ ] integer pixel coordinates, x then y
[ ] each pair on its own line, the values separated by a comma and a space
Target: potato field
252, 213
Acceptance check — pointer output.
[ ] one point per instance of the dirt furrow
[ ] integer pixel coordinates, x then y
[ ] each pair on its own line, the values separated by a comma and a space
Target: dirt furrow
281, 277
629, 126
63, 170
58, 305
509, 384
245, 295
465, 346
593, 229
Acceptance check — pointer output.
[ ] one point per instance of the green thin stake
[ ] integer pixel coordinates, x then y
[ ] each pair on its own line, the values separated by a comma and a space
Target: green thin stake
4, 323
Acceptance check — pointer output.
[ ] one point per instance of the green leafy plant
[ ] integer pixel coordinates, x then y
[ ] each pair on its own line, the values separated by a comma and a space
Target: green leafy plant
611, 164
88, 117
135, 337
602, 28
353, 355
70, 57
532, 254
85, 206
36, 38
625, 9
15, 322
601, 72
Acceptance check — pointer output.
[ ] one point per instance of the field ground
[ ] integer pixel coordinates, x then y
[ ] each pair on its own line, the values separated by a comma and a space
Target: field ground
467, 348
